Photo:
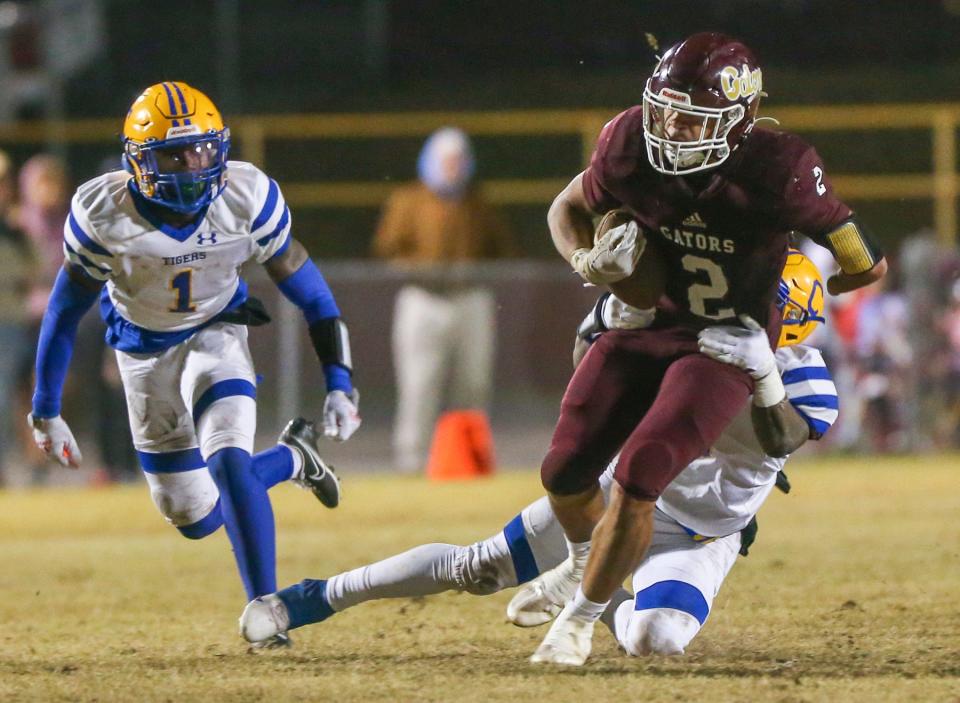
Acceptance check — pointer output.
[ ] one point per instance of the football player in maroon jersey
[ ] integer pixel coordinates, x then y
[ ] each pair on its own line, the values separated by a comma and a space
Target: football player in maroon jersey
718, 197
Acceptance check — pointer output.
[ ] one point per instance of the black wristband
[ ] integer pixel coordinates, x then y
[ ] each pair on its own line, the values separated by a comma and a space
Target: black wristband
331, 341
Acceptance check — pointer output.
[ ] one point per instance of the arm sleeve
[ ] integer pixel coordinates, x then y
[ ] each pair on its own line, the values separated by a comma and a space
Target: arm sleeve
811, 391
308, 290
69, 301
82, 247
270, 227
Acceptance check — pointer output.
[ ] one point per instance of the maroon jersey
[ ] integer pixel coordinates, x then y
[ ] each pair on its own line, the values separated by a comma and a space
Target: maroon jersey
724, 235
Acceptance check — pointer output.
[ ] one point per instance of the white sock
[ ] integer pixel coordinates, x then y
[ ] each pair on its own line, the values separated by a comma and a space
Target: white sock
297, 461
617, 615
421, 571
584, 608
579, 552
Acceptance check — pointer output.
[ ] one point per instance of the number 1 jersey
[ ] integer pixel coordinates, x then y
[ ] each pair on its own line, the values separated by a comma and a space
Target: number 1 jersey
165, 282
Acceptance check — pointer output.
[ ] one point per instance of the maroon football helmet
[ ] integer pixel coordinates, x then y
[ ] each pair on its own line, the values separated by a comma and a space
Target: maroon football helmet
700, 103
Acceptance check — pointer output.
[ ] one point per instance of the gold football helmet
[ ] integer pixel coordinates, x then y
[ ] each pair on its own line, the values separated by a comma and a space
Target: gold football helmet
175, 144
800, 298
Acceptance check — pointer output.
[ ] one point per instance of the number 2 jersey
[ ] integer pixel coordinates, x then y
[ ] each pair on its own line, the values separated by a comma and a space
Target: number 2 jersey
724, 233
163, 283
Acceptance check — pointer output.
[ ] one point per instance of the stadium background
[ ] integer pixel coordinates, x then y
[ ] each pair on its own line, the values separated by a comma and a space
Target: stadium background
849, 593
335, 98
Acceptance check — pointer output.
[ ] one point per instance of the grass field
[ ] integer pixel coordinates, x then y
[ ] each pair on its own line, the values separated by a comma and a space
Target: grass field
849, 594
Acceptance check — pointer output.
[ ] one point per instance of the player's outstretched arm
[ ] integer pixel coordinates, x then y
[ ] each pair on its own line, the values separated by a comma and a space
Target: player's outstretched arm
301, 282
845, 282
780, 429
73, 294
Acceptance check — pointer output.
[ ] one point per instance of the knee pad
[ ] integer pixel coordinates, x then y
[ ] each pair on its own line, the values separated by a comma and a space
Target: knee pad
661, 631
483, 568
183, 498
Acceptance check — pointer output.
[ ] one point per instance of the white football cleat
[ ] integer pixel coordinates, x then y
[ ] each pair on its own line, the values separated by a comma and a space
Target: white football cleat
541, 600
568, 642
264, 618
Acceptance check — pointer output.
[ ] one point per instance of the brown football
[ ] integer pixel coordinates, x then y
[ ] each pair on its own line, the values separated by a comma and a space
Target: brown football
644, 287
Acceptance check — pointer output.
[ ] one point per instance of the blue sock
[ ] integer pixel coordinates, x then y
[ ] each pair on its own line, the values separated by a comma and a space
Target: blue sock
248, 517
306, 602
274, 465
204, 526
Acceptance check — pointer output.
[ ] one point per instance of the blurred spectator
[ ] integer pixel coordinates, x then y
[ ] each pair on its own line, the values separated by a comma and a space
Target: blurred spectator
885, 357
41, 211
118, 459
16, 264
444, 325
43, 207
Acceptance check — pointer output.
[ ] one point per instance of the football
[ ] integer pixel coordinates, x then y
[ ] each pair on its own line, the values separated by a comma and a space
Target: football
644, 287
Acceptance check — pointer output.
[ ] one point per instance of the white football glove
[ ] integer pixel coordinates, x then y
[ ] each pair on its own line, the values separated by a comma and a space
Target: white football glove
748, 349
613, 258
55, 439
617, 315
340, 416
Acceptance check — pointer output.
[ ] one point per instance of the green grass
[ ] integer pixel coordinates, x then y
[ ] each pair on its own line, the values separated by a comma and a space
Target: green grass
849, 594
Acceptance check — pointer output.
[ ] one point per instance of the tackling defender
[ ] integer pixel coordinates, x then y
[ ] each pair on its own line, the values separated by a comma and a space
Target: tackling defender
168, 235
718, 198
698, 523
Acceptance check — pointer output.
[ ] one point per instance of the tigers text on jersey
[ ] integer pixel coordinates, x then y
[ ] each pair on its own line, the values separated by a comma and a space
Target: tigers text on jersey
718, 494
164, 282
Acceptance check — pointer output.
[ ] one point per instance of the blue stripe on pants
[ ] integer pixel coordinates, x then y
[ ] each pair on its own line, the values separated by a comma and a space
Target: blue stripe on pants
677, 595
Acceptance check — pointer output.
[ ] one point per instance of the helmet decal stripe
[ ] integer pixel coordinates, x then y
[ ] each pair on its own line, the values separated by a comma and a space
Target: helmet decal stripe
173, 107
183, 101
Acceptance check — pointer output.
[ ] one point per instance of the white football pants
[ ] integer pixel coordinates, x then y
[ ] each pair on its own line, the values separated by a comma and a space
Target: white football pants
184, 404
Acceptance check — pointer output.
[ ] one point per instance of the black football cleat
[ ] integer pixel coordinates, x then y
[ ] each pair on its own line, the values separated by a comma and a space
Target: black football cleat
316, 475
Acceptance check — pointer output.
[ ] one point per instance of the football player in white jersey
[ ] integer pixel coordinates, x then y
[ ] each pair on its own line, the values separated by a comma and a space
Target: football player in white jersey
704, 518
161, 244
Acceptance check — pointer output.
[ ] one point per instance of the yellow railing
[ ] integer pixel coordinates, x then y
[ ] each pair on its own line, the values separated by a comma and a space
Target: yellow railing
940, 184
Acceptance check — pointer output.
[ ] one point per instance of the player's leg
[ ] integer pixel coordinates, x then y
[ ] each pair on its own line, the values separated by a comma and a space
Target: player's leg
605, 399
675, 587
166, 444
532, 541
421, 350
218, 385
697, 399
541, 599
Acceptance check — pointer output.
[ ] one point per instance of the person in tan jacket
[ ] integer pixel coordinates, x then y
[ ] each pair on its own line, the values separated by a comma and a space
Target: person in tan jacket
438, 229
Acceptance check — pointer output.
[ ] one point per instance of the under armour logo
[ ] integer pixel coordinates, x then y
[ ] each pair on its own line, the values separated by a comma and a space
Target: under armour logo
211, 239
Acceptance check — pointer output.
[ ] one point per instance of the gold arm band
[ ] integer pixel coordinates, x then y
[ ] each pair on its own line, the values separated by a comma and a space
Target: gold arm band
850, 249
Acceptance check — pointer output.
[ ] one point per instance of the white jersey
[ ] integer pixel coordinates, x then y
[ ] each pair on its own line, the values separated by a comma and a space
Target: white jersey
164, 282
718, 494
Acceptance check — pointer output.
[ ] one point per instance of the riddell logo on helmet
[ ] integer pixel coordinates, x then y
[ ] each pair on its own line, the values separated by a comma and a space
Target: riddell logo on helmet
182, 131
675, 96
740, 83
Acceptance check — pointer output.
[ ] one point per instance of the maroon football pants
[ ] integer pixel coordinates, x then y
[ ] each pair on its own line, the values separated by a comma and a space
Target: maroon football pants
650, 395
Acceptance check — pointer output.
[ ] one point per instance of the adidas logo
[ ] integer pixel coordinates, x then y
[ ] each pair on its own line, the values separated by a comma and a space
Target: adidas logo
695, 220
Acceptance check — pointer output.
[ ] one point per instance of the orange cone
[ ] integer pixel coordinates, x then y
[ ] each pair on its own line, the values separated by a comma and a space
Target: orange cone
462, 447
